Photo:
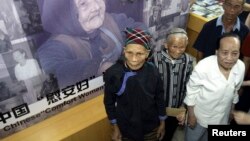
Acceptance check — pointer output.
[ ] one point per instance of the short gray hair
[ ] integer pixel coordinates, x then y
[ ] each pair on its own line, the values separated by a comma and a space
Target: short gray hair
176, 32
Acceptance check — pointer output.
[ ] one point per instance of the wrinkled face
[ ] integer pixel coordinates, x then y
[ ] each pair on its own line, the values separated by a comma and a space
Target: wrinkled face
90, 13
18, 56
135, 55
228, 53
232, 8
176, 46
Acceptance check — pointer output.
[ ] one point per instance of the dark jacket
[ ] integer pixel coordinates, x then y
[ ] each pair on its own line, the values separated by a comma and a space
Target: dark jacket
139, 106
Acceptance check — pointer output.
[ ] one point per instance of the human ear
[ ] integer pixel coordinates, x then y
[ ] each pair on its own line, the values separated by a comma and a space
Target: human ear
147, 54
166, 45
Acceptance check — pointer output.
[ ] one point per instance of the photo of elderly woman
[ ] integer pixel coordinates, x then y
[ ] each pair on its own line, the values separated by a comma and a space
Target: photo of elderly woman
85, 41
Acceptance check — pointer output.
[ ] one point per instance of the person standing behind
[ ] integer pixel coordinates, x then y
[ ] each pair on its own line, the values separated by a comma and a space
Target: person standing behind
244, 99
212, 89
243, 16
205, 43
241, 117
175, 67
133, 94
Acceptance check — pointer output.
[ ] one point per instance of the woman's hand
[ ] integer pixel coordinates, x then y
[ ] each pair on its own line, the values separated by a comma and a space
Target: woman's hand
181, 118
161, 130
116, 135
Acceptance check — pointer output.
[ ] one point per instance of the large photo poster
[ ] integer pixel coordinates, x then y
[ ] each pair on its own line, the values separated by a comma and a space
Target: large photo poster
162, 15
53, 52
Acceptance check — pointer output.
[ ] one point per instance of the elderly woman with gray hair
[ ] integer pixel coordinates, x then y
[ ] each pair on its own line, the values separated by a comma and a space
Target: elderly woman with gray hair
175, 67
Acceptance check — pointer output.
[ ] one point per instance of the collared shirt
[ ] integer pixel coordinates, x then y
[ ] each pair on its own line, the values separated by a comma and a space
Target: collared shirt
211, 94
206, 41
175, 74
219, 23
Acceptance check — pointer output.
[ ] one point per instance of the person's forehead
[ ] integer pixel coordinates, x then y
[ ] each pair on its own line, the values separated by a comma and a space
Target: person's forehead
177, 37
17, 52
135, 48
229, 42
230, 39
88, 1
236, 2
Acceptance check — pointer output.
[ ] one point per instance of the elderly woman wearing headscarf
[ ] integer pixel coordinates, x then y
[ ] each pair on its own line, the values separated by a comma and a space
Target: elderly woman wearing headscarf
133, 95
85, 39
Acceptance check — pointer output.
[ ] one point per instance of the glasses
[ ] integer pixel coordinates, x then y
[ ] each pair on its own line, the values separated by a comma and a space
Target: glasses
234, 7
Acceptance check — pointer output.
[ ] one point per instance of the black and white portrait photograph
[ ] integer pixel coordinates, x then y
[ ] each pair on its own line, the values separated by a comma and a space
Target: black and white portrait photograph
24, 69
29, 16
